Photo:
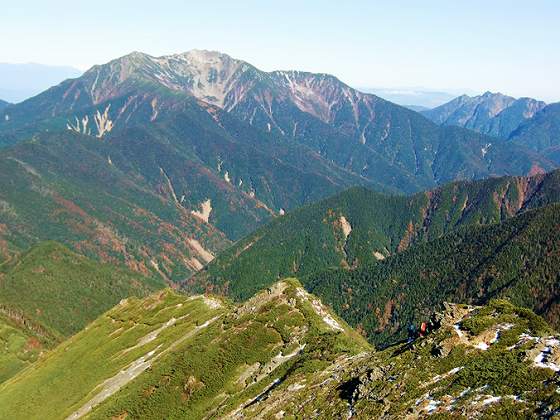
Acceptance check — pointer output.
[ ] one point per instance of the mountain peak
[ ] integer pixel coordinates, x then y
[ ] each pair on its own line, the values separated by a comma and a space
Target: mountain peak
491, 113
204, 56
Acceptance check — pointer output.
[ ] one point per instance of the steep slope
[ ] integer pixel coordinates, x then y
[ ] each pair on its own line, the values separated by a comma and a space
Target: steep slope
360, 226
358, 132
283, 355
65, 187
19, 348
541, 133
3, 104
493, 114
517, 259
174, 356
51, 286
49, 293
497, 361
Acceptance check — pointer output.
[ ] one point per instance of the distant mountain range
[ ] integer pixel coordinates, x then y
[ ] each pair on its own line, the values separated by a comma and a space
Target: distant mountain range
124, 161
419, 98
493, 114
363, 134
523, 121
22, 81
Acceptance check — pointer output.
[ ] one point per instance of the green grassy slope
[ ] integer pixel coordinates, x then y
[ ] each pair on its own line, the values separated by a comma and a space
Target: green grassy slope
312, 239
64, 291
49, 293
181, 357
282, 354
19, 348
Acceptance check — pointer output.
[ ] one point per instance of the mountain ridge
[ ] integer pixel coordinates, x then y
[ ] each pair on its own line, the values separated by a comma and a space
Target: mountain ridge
463, 240
494, 114
377, 226
359, 132
283, 353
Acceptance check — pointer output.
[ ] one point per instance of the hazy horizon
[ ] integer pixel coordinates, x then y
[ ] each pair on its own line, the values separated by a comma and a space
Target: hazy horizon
504, 46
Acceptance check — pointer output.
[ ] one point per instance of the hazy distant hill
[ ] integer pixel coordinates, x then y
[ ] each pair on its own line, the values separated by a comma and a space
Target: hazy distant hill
418, 97
542, 132
22, 81
493, 114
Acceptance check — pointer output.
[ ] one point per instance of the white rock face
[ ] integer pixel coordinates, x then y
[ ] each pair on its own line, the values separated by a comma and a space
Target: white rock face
346, 227
205, 210
155, 110
206, 255
80, 126
485, 149
207, 75
102, 122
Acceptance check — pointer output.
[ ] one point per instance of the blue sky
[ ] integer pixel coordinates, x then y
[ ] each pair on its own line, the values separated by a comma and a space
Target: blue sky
508, 46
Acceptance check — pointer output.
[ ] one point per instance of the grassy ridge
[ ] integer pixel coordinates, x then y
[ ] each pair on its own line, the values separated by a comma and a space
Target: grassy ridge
204, 355
49, 293
283, 354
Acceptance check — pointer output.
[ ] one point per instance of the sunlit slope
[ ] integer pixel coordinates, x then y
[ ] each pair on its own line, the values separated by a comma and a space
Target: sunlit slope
174, 356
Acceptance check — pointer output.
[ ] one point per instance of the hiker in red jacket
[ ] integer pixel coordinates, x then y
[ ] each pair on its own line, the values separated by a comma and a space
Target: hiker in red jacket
423, 329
